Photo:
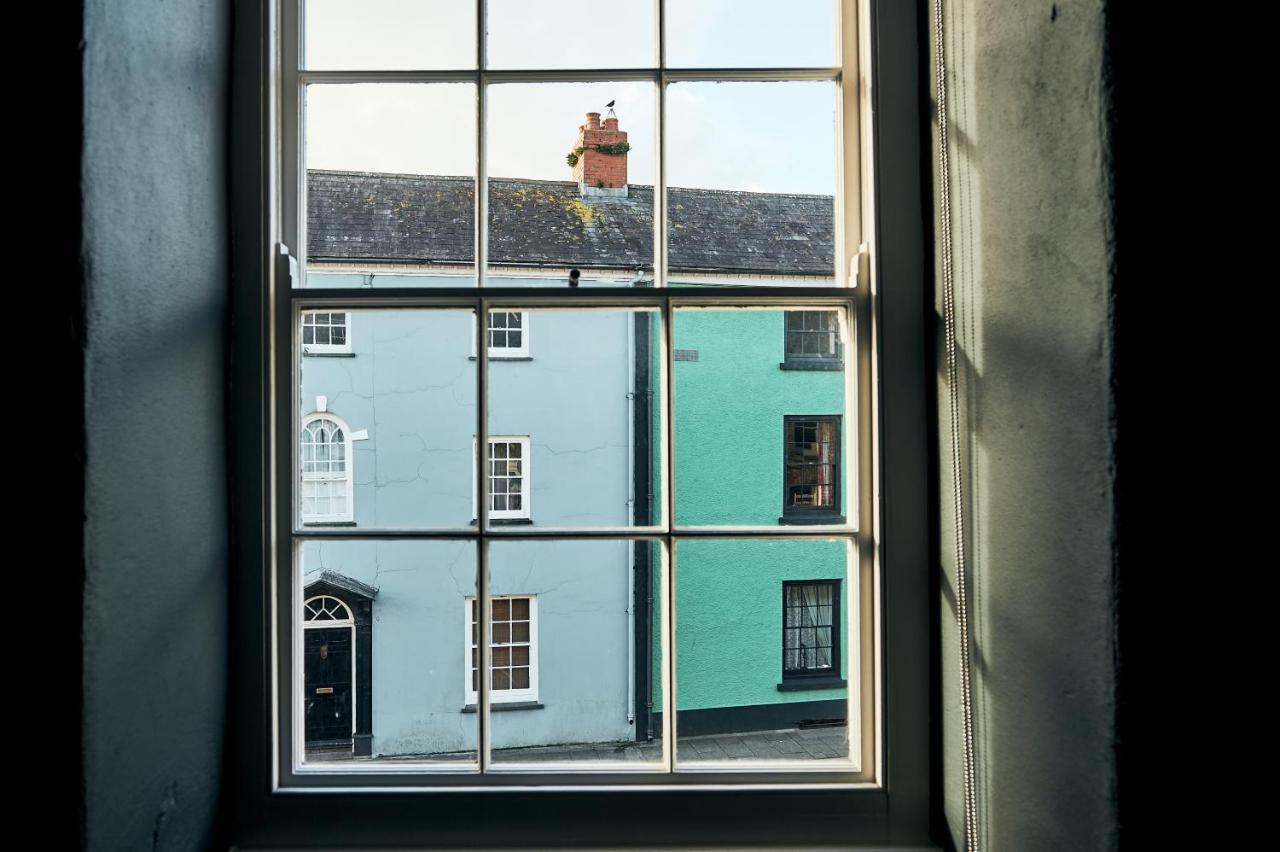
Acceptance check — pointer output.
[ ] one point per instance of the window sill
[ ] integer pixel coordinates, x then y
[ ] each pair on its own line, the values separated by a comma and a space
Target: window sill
815, 518
834, 365
328, 354
504, 357
801, 683
328, 523
506, 522
501, 707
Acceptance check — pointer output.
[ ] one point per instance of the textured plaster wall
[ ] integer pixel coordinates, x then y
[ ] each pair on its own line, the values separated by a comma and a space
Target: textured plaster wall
729, 618
729, 409
419, 638
410, 383
1032, 243
730, 405
155, 255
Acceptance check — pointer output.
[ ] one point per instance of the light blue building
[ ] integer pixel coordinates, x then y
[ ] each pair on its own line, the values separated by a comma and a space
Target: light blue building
388, 429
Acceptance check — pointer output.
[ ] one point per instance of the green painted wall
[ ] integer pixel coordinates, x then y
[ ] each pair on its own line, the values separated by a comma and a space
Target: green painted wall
728, 416
729, 617
730, 405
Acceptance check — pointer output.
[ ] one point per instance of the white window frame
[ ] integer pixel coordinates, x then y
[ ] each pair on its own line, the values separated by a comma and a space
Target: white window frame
499, 353
503, 696
348, 471
327, 348
855, 283
523, 513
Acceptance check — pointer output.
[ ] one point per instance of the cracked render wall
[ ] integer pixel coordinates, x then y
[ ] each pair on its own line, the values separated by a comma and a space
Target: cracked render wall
155, 252
1033, 243
409, 385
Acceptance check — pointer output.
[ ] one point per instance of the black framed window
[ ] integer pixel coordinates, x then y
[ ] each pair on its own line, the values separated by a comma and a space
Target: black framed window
811, 629
812, 341
811, 469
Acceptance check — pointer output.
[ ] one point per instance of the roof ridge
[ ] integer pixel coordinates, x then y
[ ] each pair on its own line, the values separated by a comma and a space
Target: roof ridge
640, 186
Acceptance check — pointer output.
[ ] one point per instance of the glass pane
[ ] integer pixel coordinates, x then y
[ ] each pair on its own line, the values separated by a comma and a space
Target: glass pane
586, 689
568, 34
588, 400
389, 35
394, 685
390, 184
750, 34
401, 415
737, 701
571, 184
751, 183
756, 443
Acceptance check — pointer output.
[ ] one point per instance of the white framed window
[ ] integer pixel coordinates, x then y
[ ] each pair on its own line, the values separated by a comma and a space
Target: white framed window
326, 333
513, 648
794, 247
509, 483
325, 486
508, 335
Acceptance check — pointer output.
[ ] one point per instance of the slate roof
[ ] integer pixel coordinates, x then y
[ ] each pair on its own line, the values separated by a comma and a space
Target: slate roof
353, 216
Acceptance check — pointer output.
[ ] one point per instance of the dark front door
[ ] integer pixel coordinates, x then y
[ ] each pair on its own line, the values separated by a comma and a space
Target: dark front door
327, 674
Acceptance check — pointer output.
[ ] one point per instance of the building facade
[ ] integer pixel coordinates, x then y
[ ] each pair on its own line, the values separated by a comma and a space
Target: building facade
387, 414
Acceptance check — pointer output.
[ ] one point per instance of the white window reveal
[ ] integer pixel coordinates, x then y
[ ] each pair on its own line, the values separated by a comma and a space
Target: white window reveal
326, 333
325, 486
513, 648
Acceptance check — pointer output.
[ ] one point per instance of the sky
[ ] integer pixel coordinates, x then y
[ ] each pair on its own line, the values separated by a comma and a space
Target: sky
761, 137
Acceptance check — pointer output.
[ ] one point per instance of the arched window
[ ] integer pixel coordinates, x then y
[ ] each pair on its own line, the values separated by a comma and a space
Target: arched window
326, 611
325, 491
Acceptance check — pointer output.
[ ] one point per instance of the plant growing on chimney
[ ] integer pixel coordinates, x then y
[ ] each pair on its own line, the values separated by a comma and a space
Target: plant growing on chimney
612, 149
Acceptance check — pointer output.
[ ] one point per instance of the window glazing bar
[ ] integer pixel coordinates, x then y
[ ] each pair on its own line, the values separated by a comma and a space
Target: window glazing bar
578, 297
480, 328
583, 75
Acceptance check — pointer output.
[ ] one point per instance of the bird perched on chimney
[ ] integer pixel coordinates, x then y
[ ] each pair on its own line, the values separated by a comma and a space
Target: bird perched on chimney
609, 106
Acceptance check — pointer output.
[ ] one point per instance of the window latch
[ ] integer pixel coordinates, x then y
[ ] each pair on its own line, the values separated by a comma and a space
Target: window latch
857, 264
286, 267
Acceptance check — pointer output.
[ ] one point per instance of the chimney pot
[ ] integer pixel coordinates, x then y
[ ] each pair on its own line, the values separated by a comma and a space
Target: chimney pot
593, 121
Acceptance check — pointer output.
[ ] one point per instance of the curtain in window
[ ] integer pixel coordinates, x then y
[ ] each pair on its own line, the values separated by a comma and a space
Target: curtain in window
808, 627
826, 462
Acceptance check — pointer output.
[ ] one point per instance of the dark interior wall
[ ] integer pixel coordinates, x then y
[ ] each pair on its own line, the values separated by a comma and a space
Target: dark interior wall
1033, 245
155, 265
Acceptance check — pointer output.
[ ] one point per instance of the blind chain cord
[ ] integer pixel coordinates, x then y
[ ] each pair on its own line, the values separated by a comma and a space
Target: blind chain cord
957, 495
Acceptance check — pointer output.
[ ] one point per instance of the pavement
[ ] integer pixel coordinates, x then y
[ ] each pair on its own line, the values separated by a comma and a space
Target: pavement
807, 744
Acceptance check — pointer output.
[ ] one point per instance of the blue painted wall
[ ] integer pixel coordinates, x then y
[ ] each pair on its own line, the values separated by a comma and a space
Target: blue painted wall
409, 381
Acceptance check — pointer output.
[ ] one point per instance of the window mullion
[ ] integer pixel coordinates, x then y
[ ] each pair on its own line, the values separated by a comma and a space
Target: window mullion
667, 603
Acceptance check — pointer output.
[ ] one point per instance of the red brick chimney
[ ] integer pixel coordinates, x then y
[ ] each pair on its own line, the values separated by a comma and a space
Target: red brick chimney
597, 170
